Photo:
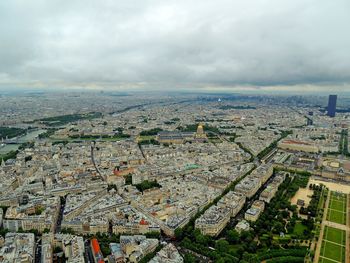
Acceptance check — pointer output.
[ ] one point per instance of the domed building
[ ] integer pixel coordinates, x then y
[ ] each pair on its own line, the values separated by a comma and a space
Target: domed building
200, 134
178, 137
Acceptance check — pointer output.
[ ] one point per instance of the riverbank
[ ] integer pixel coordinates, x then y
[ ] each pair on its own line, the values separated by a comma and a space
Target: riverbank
30, 136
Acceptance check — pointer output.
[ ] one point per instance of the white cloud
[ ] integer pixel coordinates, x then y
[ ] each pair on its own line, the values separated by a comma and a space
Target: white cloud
171, 44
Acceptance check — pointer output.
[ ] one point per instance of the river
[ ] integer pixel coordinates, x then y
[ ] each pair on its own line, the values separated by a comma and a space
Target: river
26, 138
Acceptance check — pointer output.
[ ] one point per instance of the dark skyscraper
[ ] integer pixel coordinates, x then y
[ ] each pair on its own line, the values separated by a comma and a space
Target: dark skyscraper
309, 122
332, 105
309, 118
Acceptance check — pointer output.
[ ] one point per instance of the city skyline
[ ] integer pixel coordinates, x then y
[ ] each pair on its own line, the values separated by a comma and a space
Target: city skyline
177, 178
174, 131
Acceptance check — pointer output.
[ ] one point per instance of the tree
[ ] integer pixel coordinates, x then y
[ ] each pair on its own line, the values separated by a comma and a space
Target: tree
57, 250
153, 234
151, 132
3, 232
278, 227
252, 247
250, 258
179, 233
147, 185
201, 239
222, 245
67, 231
285, 214
233, 236
247, 236
39, 210
105, 249
189, 258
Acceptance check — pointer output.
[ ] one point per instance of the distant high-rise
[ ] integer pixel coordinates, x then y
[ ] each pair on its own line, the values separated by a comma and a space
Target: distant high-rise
310, 122
309, 118
332, 105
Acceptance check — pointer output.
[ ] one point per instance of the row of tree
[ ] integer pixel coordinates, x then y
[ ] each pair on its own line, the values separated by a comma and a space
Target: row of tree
10, 132
312, 208
64, 119
147, 185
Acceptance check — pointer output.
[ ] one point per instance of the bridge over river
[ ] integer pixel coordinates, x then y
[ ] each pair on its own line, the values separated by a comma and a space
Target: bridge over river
13, 143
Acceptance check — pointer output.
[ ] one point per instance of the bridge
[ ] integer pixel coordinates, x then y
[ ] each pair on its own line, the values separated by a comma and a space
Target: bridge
19, 139
16, 140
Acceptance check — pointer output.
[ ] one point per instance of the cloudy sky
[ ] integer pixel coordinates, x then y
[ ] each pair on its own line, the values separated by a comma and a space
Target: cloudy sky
295, 45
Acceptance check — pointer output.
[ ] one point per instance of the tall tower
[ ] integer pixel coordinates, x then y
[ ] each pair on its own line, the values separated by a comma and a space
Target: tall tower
332, 105
309, 122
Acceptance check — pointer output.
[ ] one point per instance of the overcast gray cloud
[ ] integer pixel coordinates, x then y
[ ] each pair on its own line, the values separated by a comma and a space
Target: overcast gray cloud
172, 44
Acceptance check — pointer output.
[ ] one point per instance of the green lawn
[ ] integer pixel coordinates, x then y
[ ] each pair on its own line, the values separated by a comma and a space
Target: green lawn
324, 260
336, 217
338, 205
338, 201
113, 139
299, 229
146, 137
338, 196
332, 251
333, 245
334, 235
337, 208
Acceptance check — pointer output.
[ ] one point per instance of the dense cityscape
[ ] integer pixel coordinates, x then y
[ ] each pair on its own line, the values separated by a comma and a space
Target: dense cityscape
174, 131
174, 178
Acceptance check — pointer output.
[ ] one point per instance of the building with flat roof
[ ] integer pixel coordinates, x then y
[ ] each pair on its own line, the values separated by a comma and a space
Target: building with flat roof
168, 254
298, 145
234, 201
332, 105
136, 247
242, 225
268, 193
253, 213
117, 253
213, 221
72, 246
18, 247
